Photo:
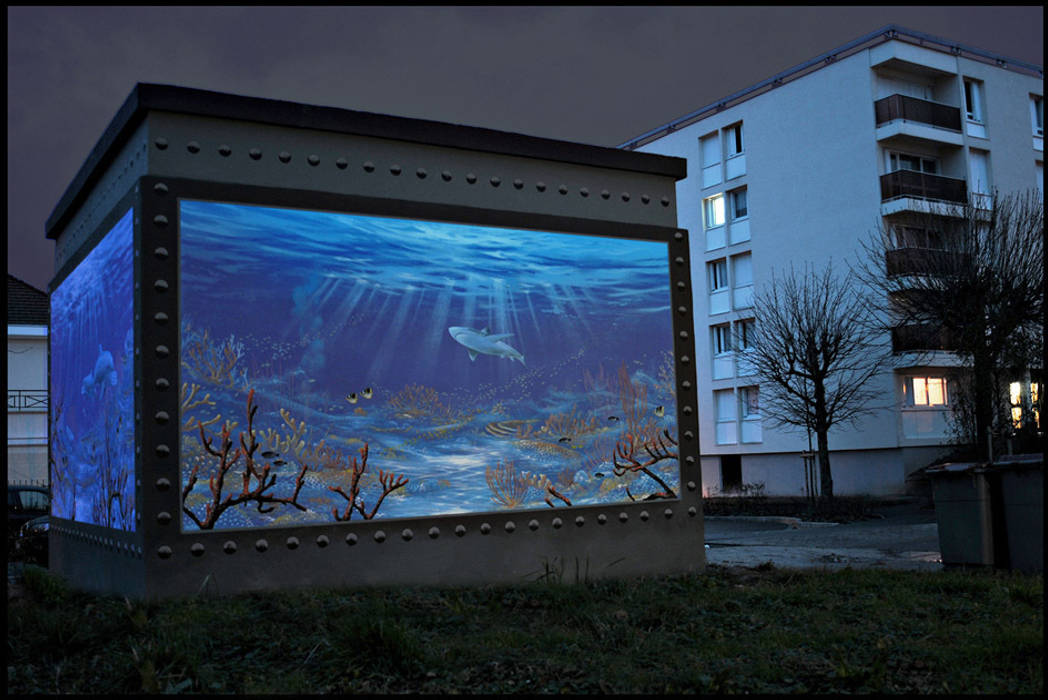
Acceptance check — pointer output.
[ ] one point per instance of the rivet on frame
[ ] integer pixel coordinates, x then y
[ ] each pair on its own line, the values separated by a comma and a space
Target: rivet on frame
681, 286
395, 169
645, 198
684, 359
584, 192
162, 351
351, 539
160, 285
685, 385
624, 516
485, 528
313, 160
161, 417
533, 525
163, 517
255, 153
160, 220
229, 547
563, 189
380, 536
678, 260
495, 181
197, 549
665, 201
601, 519
163, 484
261, 545
689, 459
323, 541
510, 526
460, 530
682, 310
160, 318
668, 513
162, 384
421, 173
693, 511
540, 186
471, 178
580, 521
164, 552
557, 522
445, 176
406, 534
161, 143
162, 450
224, 150
341, 163
284, 157
687, 410
518, 183
644, 515
604, 194
625, 196
160, 253
160, 188
688, 435
292, 543
692, 486
683, 335
434, 533
193, 147
369, 167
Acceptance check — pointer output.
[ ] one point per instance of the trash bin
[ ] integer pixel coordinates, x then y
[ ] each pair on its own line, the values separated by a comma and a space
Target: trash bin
1017, 488
963, 512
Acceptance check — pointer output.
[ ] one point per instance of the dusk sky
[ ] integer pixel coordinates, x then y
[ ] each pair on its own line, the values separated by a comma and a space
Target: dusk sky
597, 75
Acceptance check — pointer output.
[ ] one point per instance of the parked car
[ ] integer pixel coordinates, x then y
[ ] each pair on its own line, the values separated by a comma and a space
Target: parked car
24, 503
31, 543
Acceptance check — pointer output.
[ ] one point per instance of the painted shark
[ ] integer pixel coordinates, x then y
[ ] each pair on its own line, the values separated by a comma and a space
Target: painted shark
480, 343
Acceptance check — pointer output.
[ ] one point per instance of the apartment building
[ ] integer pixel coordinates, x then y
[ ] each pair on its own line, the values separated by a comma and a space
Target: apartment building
799, 169
27, 313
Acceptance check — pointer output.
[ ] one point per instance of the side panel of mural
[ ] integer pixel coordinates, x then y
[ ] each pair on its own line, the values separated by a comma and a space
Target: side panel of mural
92, 386
339, 367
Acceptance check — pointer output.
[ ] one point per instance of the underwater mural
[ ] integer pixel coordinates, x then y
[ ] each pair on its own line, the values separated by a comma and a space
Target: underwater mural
92, 400
342, 367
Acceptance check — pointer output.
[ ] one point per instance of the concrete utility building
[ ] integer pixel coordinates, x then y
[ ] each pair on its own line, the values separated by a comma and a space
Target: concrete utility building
26, 383
800, 168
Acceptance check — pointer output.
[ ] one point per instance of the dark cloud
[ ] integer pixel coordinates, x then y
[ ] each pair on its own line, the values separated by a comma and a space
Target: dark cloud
598, 75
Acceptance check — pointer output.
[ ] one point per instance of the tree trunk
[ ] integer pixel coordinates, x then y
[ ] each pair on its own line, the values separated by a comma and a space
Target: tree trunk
983, 398
821, 430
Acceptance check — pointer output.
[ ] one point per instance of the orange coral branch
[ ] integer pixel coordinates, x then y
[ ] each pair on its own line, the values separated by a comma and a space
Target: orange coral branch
658, 450
389, 481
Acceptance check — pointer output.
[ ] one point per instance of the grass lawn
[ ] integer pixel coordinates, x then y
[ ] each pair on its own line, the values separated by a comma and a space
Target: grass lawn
729, 630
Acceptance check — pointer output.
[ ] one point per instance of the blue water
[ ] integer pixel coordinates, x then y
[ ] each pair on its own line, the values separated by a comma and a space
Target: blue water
92, 363
313, 309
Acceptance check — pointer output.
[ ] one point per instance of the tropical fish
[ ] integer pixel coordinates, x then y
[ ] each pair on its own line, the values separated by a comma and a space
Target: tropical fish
268, 454
505, 428
613, 417
104, 371
564, 439
352, 398
599, 475
367, 393
549, 448
660, 411
480, 343
279, 462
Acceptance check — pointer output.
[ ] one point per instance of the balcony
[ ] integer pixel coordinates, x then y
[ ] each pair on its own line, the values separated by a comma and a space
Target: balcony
921, 337
22, 400
911, 183
921, 261
916, 110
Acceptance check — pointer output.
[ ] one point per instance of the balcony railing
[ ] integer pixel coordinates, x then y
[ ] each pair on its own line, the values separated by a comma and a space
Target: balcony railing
19, 400
922, 261
917, 110
921, 337
911, 183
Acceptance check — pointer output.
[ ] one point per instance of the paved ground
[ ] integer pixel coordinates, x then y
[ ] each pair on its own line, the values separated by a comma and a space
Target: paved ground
906, 537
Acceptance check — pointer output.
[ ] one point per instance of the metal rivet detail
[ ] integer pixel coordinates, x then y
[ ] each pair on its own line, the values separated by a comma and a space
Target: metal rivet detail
421, 173
160, 220
692, 486
193, 147
682, 310
604, 194
693, 511
685, 385
686, 410
445, 176
229, 547
163, 517
625, 196
557, 522
197, 549
510, 526
162, 450
395, 169
323, 541
161, 417
164, 552
601, 519
313, 160
160, 188
540, 186
162, 351
533, 525
485, 528
678, 260
341, 163
369, 167
668, 513
434, 533
644, 515
684, 359
580, 521
688, 435
160, 285
471, 178
284, 157
678, 236
407, 535
224, 150
161, 143
689, 459
351, 539
495, 181
380, 536
160, 253
162, 384
665, 201
460, 530
163, 484
681, 286
518, 183
683, 335
623, 517
160, 318
261, 545
255, 153
563, 189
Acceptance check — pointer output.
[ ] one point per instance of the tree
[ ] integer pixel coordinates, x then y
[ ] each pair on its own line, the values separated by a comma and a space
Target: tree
967, 279
814, 349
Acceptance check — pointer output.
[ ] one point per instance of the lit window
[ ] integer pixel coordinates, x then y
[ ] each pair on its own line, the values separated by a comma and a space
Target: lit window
929, 391
714, 207
739, 209
733, 136
1037, 114
721, 339
750, 398
718, 273
973, 100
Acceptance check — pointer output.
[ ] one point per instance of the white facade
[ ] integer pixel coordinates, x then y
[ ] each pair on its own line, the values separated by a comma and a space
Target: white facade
791, 174
27, 403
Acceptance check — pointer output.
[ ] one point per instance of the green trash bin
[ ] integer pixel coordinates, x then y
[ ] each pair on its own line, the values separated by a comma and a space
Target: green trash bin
963, 512
1017, 487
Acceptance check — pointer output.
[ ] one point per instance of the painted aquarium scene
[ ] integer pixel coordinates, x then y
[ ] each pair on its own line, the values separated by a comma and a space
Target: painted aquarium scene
339, 367
92, 386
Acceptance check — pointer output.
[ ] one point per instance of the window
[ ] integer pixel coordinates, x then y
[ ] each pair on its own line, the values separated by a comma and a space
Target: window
917, 237
739, 209
725, 403
711, 152
733, 140
927, 391
744, 331
742, 266
909, 161
714, 207
1037, 114
718, 274
721, 339
973, 100
979, 175
749, 397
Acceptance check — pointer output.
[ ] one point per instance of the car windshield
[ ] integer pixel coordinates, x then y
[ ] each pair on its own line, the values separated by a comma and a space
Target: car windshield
34, 500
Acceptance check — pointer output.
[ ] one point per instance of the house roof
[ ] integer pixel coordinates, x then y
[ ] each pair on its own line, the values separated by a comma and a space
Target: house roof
26, 305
